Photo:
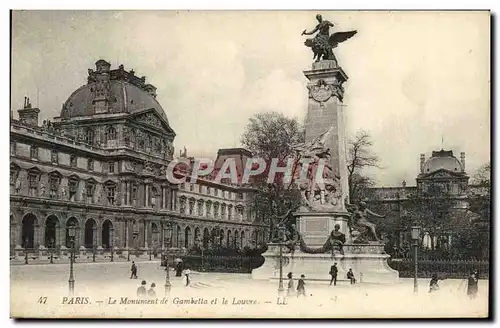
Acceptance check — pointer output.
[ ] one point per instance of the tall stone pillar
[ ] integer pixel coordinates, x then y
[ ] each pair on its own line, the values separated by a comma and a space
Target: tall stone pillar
146, 195
123, 189
127, 235
36, 239
146, 233
62, 236
325, 111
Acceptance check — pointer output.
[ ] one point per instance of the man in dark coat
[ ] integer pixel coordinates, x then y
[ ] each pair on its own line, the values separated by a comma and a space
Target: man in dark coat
133, 271
333, 272
350, 276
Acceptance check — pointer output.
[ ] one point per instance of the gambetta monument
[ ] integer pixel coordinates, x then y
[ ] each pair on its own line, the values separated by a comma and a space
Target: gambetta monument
329, 228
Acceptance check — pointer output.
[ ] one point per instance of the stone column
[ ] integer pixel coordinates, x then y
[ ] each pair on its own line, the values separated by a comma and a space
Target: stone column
127, 235
62, 236
163, 201
123, 188
129, 192
13, 235
146, 195
173, 200
36, 239
98, 231
146, 233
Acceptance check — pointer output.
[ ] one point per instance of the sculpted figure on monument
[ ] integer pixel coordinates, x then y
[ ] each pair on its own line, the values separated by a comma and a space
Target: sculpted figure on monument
360, 228
318, 193
322, 44
337, 239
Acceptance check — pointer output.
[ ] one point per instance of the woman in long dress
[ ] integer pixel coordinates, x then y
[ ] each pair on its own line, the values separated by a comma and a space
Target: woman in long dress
290, 290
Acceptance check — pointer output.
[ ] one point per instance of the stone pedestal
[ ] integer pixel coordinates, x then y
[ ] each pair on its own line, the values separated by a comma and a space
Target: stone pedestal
315, 227
368, 262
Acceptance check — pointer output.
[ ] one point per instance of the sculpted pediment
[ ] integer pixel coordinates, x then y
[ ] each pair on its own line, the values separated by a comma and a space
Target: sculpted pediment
152, 119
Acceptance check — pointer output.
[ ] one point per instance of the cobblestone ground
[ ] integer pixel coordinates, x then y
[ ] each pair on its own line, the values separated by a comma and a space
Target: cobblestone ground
224, 295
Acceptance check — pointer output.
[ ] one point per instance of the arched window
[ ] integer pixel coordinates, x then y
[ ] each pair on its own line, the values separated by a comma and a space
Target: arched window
110, 134
89, 136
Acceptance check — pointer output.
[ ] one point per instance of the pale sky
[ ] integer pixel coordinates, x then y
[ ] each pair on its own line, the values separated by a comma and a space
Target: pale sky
414, 77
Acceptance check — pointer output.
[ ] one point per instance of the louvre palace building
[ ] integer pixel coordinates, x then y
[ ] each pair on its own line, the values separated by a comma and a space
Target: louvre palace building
100, 167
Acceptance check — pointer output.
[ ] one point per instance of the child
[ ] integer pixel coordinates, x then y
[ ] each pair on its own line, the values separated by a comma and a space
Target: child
290, 284
301, 289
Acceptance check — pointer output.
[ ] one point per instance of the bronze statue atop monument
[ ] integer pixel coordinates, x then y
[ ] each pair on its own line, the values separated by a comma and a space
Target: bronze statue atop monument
323, 43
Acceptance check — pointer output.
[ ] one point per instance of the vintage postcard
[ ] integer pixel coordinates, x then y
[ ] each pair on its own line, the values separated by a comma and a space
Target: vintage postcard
250, 164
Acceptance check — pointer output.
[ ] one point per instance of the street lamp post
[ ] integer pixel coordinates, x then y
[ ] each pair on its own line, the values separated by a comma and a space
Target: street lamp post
71, 233
94, 242
111, 232
281, 230
415, 236
26, 251
52, 251
168, 235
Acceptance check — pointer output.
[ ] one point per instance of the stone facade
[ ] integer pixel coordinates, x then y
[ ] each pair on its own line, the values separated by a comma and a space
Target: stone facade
101, 167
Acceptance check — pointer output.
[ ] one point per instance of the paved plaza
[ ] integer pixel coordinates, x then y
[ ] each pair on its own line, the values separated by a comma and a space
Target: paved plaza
226, 295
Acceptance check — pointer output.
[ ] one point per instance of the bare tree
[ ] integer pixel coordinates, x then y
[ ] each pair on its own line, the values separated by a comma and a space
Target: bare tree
360, 156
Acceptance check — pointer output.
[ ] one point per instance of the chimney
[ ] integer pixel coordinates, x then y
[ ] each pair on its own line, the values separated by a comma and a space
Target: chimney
422, 162
27, 114
462, 160
101, 88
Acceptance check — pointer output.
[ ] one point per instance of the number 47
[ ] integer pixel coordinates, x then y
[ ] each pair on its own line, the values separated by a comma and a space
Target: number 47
42, 300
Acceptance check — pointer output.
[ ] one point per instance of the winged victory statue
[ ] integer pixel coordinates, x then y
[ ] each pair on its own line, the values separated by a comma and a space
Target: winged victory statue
323, 43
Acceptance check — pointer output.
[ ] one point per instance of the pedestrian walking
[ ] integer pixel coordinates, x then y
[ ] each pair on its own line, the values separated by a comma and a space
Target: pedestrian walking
301, 286
472, 285
187, 272
178, 269
151, 291
133, 271
290, 289
350, 276
333, 272
141, 291
433, 285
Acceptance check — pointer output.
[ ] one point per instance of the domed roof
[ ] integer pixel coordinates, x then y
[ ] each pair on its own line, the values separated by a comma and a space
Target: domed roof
119, 90
442, 160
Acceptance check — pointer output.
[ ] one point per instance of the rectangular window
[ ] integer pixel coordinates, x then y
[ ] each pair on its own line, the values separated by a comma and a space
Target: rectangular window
111, 167
90, 164
72, 161
89, 193
134, 195
240, 195
73, 187
13, 177
111, 195
34, 152
209, 190
33, 185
